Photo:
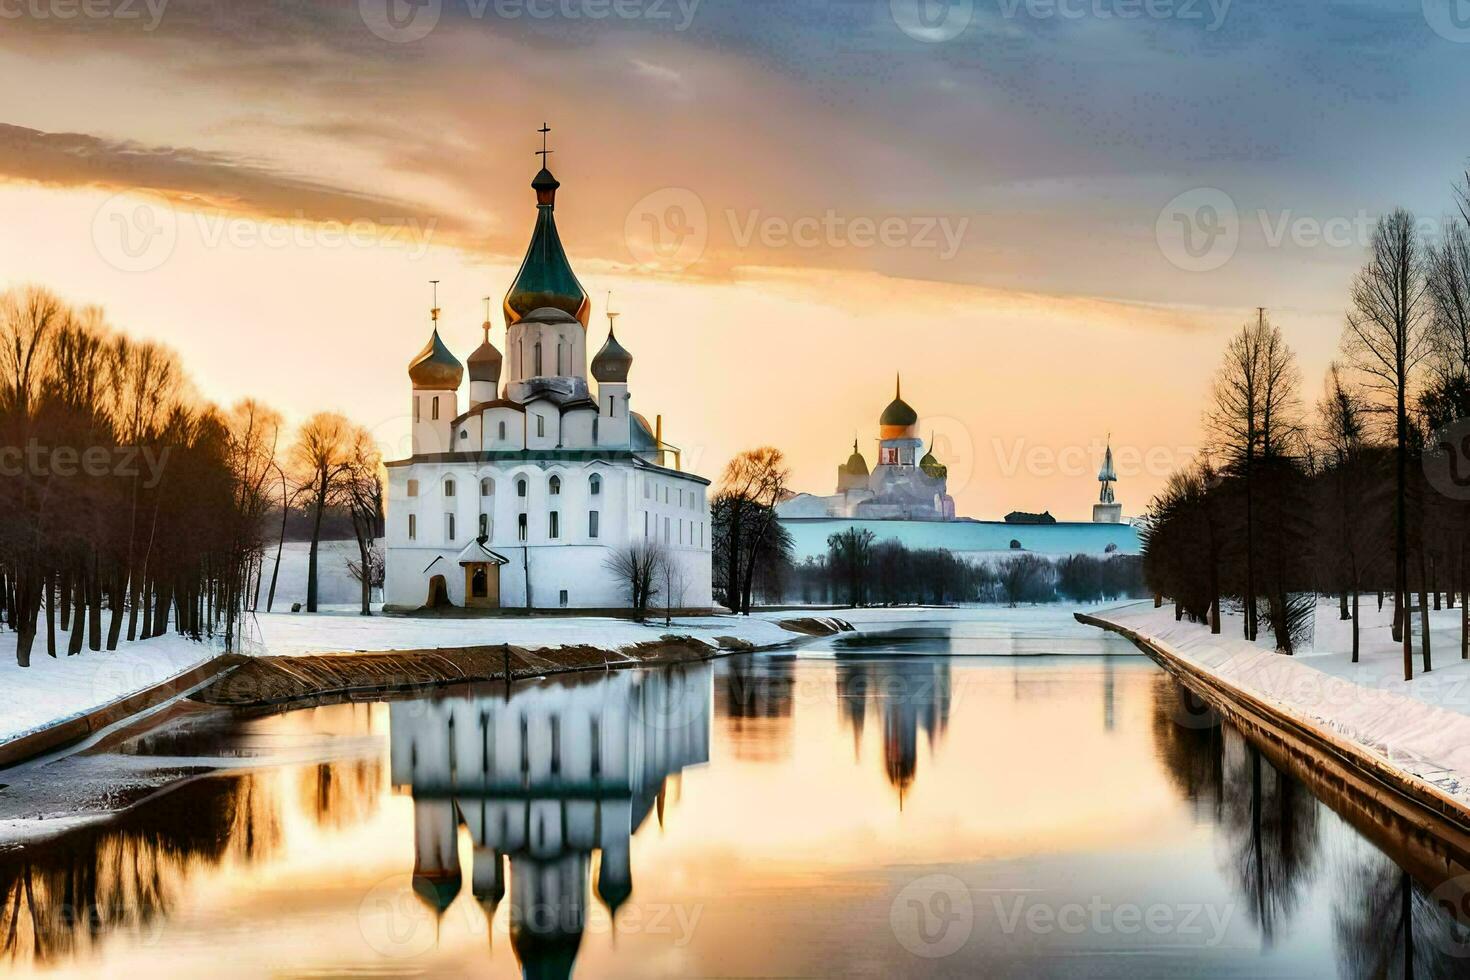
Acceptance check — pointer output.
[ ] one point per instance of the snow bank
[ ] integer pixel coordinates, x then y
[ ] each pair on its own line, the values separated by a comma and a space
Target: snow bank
50, 692
1421, 727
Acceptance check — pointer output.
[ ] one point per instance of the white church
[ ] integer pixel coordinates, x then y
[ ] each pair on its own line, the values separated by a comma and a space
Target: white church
516, 500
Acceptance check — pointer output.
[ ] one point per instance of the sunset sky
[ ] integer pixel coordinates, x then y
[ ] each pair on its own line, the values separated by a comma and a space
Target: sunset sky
790, 200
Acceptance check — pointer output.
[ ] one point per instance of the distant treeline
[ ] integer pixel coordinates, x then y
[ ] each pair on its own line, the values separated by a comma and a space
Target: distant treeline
860, 571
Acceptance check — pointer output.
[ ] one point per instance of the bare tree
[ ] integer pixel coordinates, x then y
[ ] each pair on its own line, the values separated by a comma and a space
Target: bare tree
1386, 340
360, 493
750, 487
637, 567
673, 579
320, 458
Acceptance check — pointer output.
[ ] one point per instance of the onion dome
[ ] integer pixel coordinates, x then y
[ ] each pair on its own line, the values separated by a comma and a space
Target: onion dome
435, 367
612, 363
898, 413
437, 889
485, 362
546, 277
856, 465
932, 467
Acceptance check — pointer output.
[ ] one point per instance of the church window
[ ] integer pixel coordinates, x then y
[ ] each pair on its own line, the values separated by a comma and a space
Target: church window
448, 488
592, 518
888, 456
413, 488
645, 523
434, 414
556, 736
521, 528
563, 598
521, 487
554, 526
666, 529
558, 358
484, 527
594, 484
553, 485
541, 425
464, 434
502, 429
536, 353
594, 431
417, 414
645, 489
449, 527
487, 487
413, 527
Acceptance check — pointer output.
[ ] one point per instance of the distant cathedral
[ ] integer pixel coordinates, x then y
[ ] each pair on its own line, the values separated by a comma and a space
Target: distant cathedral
903, 486
1107, 510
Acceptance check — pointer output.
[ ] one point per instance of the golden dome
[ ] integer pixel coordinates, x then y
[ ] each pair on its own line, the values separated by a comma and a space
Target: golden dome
435, 367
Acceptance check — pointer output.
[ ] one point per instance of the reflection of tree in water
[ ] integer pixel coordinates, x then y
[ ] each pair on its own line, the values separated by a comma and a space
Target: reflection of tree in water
339, 795
910, 695
61, 897
1388, 926
1271, 824
1268, 819
1190, 753
754, 695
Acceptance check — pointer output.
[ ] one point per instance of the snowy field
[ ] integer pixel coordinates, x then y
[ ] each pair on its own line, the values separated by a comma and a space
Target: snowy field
1422, 727
335, 584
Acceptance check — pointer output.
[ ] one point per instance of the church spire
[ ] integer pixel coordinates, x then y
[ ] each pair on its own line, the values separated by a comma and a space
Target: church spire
546, 277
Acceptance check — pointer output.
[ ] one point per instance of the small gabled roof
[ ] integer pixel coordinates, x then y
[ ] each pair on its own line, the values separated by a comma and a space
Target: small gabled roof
475, 553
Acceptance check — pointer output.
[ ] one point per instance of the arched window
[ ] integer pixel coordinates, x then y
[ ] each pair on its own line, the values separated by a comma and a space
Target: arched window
448, 488
536, 354
435, 414
487, 487
521, 487
594, 484
502, 429
553, 485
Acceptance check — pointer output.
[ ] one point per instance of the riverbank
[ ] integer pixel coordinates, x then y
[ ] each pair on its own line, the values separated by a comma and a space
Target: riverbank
1413, 738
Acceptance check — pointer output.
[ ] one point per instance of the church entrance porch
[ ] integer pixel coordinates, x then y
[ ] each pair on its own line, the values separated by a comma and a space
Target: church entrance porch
481, 584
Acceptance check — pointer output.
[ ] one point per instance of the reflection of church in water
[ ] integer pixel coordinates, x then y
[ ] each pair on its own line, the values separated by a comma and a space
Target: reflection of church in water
910, 696
542, 779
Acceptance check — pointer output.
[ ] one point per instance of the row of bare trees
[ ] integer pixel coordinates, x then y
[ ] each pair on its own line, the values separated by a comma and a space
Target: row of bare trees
128, 504
1369, 492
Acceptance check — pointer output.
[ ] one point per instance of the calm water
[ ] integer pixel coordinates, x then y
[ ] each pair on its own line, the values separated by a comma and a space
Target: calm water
898, 807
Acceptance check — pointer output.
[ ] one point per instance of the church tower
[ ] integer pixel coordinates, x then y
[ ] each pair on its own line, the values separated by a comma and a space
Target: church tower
546, 309
436, 374
1107, 510
898, 432
610, 368
484, 366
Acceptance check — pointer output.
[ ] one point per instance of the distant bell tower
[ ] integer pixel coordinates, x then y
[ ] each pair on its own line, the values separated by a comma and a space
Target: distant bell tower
1107, 510
436, 375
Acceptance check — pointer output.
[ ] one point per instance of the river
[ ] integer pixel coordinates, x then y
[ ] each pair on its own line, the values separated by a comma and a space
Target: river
952, 799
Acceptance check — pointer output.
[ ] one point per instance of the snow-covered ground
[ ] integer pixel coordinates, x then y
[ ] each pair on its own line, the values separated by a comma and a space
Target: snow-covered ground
335, 584
50, 692
1422, 727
